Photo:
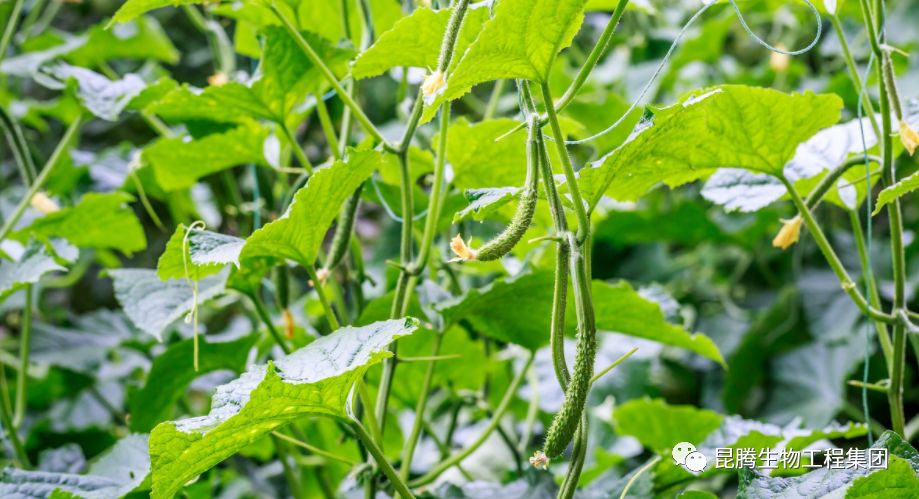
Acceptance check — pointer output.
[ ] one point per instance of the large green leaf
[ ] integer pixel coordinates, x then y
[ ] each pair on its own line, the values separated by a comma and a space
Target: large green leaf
415, 41
208, 252
173, 371
141, 39
232, 102
619, 308
899, 480
479, 162
37, 259
298, 234
660, 426
520, 41
179, 162
133, 8
153, 305
119, 471
97, 221
827, 482
313, 381
734, 126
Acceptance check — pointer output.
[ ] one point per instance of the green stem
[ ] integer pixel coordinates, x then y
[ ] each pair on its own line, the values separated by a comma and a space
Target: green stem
25, 343
42, 177
437, 189
613, 365
854, 75
266, 319
492, 107
381, 460
327, 127
20, 457
10, 29
568, 168
298, 151
313, 449
594, 57
578, 456
874, 298
631, 482
835, 264
457, 458
323, 299
289, 473
408, 451
330, 77
18, 146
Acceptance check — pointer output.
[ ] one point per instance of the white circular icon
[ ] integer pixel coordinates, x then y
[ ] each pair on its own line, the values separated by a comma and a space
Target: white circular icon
681, 450
695, 462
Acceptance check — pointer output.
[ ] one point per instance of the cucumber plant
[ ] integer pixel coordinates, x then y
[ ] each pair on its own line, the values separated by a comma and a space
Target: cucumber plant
239, 256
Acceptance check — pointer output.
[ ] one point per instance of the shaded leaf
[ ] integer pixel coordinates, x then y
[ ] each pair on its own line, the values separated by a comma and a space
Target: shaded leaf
118, 472
37, 259
103, 97
152, 305
659, 426
315, 380
478, 161
173, 371
484, 202
97, 221
179, 162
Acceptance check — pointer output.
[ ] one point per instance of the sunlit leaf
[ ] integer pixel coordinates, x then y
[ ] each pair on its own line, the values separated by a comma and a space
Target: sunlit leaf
896, 191
313, 381
208, 253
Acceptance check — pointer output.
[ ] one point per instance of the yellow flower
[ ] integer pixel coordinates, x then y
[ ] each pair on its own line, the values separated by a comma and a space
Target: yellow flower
909, 136
462, 250
789, 233
41, 202
434, 84
539, 460
289, 323
218, 79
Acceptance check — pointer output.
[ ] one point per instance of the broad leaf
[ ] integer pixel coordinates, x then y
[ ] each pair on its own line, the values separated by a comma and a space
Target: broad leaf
520, 41
118, 472
898, 480
825, 481
97, 221
298, 234
86, 345
179, 162
140, 39
173, 371
133, 8
415, 41
153, 305
734, 126
101, 96
901, 188
619, 308
208, 253
659, 426
478, 161
37, 259
231, 102
738, 189
313, 381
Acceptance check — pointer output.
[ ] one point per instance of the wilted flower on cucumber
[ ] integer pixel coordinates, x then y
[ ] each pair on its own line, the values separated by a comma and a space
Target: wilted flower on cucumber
788, 235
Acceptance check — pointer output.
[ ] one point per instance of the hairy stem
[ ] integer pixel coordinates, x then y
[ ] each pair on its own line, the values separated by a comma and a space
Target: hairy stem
381, 460
25, 343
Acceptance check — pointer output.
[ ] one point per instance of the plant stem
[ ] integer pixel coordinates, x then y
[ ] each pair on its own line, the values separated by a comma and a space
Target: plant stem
568, 169
10, 29
42, 177
492, 107
18, 146
266, 319
874, 298
323, 299
20, 456
646, 467
292, 482
595, 53
313, 449
330, 77
578, 455
381, 460
436, 200
613, 365
854, 75
457, 458
298, 151
25, 341
408, 451
835, 264
327, 127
